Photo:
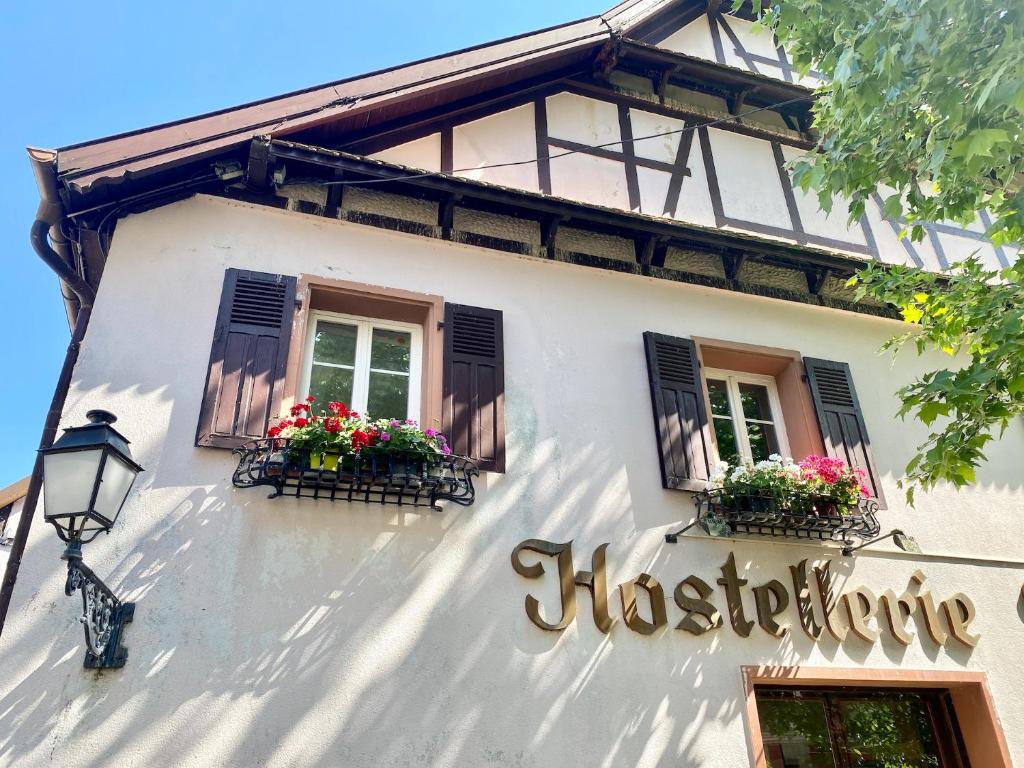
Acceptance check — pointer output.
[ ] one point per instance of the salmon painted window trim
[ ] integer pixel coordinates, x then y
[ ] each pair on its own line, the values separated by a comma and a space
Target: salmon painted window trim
968, 693
797, 406
369, 307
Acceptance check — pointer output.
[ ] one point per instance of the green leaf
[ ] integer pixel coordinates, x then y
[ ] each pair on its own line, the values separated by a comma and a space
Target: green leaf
893, 207
979, 143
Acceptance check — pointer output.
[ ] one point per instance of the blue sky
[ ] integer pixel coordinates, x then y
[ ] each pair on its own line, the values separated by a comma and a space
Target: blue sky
73, 71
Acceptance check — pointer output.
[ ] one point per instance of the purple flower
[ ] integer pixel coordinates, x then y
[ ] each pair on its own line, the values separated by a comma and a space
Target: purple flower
445, 450
384, 437
411, 422
430, 432
395, 423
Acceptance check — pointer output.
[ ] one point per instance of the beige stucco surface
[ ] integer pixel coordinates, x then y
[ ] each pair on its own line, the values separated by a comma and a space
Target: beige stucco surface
285, 633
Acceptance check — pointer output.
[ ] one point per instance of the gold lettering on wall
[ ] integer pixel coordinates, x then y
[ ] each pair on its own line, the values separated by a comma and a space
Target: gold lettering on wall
771, 599
568, 589
656, 596
823, 578
928, 612
896, 611
734, 598
804, 602
596, 582
960, 613
861, 605
701, 615
699, 606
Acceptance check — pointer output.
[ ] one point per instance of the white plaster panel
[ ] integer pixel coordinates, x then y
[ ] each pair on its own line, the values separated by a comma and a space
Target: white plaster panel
695, 198
694, 39
956, 248
814, 220
755, 41
665, 130
653, 191
285, 633
584, 120
590, 179
424, 153
504, 137
749, 179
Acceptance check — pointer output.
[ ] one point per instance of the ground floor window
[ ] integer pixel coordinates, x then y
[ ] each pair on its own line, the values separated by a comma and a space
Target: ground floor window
857, 728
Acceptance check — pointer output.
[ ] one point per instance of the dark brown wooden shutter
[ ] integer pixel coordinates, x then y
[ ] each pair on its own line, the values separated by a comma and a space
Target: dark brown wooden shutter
680, 416
841, 419
473, 416
248, 358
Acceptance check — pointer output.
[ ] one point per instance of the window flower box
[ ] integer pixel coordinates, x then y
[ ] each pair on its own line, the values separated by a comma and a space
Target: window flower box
385, 477
792, 515
819, 498
342, 456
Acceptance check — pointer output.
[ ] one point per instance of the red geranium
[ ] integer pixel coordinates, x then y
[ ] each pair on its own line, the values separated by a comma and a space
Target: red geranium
300, 423
310, 399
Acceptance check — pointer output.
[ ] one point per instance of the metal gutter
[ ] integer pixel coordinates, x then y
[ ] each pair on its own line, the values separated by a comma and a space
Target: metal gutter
79, 297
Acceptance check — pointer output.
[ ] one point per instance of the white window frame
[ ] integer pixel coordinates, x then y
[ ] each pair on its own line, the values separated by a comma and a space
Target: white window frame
732, 381
361, 374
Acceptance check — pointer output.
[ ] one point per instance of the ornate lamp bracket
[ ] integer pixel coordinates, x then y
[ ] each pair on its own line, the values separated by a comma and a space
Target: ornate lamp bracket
104, 615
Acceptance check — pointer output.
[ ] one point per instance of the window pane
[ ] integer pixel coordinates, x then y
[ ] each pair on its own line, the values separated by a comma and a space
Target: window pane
389, 396
718, 394
889, 731
795, 733
763, 442
390, 350
726, 437
754, 399
335, 343
327, 384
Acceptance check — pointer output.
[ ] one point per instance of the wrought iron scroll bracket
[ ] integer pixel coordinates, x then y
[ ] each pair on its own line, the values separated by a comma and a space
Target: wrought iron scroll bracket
103, 614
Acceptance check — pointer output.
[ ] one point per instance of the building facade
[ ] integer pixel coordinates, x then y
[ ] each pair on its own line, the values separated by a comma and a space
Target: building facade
578, 254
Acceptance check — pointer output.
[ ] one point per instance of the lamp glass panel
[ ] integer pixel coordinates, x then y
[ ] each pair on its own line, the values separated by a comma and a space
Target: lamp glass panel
68, 480
117, 481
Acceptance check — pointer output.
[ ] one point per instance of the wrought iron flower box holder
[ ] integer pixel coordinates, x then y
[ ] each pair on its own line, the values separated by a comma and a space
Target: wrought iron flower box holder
386, 477
792, 516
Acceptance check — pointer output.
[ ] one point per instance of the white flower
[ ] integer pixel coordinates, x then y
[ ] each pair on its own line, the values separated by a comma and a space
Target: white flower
775, 458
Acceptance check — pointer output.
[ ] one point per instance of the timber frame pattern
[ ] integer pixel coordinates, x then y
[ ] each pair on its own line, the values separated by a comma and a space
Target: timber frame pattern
324, 135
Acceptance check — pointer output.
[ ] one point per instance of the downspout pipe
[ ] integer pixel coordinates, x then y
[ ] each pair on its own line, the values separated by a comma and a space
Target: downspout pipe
49, 241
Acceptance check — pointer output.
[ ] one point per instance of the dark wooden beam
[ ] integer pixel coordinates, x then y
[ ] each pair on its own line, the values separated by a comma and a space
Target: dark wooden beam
549, 233
446, 214
816, 279
334, 193
532, 204
733, 263
257, 176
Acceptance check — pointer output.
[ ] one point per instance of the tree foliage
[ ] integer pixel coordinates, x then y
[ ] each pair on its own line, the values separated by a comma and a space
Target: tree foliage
922, 102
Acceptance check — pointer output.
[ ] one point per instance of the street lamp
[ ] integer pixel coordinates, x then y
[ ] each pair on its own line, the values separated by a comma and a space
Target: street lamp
87, 475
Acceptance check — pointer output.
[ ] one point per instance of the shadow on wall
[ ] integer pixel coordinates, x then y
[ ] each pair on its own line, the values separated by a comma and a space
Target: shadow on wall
287, 633
324, 634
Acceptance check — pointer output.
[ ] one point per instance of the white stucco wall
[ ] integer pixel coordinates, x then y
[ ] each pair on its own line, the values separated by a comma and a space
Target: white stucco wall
285, 633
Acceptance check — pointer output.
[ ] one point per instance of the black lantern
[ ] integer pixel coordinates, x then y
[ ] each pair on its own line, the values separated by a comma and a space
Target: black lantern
87, 475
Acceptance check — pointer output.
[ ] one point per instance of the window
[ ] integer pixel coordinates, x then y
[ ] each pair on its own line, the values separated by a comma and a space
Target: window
858, 728
746, 415
372, 365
